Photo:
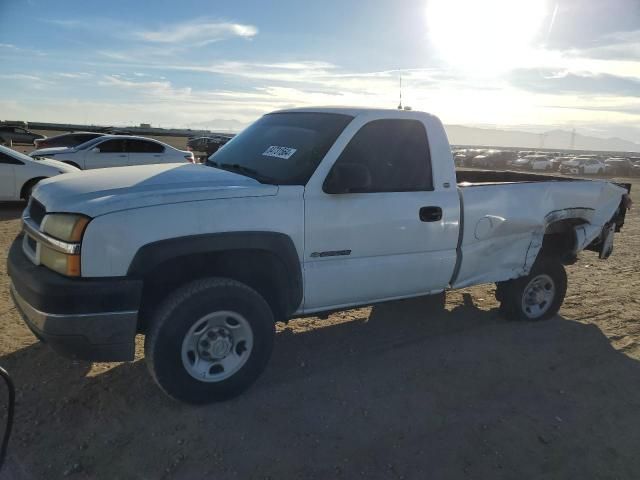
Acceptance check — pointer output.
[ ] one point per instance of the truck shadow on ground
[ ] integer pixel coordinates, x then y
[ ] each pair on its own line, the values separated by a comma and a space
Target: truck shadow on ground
11, 210
400, 391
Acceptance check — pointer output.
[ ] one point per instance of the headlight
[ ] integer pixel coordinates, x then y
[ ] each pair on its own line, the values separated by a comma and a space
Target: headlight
68, 228
65, 226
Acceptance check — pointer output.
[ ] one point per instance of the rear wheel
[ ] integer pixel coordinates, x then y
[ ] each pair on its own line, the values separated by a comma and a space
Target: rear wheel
537, 296
210, 340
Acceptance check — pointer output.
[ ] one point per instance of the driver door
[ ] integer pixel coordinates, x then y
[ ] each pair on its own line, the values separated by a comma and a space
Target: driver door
394, 235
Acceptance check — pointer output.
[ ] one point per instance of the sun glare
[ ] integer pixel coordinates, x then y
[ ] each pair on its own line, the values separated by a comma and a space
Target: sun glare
492, 34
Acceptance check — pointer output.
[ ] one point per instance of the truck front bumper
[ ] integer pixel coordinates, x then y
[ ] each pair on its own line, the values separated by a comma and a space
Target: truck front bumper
85, 318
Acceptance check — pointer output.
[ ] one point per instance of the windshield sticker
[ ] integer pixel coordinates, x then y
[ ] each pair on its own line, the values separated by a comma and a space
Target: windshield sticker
279, 152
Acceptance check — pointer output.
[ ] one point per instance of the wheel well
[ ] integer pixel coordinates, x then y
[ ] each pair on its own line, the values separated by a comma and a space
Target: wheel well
560, 240
28, 184
259, 269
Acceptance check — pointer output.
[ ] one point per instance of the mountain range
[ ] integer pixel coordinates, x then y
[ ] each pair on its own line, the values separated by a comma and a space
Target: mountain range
553, 139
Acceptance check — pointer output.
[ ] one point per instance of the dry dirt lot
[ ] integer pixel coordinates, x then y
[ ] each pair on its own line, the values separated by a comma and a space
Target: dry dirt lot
393, 391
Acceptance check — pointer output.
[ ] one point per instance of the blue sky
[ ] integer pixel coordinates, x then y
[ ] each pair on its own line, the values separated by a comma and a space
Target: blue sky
527, 64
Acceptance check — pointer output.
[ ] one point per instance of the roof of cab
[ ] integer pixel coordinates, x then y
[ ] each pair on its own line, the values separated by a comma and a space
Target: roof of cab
353, 111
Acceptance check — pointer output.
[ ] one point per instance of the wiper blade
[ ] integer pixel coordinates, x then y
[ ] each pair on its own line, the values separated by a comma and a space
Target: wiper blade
249, 172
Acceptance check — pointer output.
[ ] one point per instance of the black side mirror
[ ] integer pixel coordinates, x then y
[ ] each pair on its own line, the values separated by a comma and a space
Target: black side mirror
347, 178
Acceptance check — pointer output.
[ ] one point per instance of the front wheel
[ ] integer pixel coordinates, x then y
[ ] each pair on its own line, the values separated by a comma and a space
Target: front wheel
537, 296
210, 340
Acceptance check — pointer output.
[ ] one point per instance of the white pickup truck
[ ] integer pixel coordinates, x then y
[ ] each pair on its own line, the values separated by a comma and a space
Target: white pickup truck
305, 211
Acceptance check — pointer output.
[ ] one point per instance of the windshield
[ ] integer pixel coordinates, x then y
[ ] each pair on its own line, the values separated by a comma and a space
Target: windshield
90, 143
281, 148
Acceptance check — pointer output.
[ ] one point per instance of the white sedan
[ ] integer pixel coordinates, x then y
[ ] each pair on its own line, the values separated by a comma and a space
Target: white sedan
19, 173
533, 162
116, 151
589, 166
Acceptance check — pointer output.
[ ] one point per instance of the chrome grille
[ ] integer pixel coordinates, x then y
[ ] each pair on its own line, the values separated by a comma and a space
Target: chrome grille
36, 212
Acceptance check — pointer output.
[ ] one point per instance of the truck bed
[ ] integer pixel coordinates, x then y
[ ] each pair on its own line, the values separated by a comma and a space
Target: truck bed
468, 177
505, 214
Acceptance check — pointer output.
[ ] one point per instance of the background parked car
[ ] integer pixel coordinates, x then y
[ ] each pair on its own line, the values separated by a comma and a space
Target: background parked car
575, 162
555, 162
207, 145
66, 139
13, 134
618, 166
584, 166
116, 151
19, 173
493, 159
533, 162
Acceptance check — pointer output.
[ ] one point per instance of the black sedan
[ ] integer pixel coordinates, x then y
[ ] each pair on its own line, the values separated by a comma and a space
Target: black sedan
67, 140
618, 166
14, 134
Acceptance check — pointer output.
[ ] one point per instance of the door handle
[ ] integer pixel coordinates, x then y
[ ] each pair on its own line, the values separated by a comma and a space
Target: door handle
430, 214
122, 156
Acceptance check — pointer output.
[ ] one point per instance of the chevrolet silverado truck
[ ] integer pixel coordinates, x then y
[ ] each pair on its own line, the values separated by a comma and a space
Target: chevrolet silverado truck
305, 211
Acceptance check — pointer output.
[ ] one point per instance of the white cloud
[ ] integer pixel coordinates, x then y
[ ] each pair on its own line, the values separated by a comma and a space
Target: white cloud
74, 75
29, 81
198, 33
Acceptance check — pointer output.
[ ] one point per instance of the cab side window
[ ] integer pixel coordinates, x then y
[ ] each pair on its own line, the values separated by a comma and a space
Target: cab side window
143, 146
395, 153
112, 146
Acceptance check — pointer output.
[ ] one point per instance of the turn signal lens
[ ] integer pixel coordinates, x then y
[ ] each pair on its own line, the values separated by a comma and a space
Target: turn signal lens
62, 263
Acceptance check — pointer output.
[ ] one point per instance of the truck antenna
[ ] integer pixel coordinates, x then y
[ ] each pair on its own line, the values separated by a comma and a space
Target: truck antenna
400, 104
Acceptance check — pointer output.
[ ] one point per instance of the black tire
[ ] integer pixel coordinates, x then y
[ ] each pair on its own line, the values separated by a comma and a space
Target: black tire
511, 294
182, 310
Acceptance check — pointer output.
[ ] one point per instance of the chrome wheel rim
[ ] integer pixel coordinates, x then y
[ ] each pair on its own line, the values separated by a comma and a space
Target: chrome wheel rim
538, 296
217, 346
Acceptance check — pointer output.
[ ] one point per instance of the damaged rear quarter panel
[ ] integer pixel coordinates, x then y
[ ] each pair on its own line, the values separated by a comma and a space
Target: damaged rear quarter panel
504, 224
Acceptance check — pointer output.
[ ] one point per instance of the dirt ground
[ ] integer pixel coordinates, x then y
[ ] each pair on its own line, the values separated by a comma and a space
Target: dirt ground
394, 391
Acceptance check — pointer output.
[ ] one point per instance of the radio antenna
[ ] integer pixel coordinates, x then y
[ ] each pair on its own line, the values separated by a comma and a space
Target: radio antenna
400, 104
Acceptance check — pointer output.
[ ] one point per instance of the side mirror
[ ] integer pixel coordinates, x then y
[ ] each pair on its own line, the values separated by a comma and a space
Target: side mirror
347, 178
95, 150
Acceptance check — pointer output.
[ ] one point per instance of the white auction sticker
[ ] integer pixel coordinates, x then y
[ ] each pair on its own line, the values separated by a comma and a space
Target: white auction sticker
279, 152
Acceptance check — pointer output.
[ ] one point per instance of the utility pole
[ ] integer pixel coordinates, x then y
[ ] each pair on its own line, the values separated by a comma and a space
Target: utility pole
542, 137
400, 104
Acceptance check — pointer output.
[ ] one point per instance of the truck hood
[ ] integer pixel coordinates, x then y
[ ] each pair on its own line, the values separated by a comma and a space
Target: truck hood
101, 191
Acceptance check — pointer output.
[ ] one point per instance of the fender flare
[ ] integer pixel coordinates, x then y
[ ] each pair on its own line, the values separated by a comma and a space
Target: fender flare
153, 254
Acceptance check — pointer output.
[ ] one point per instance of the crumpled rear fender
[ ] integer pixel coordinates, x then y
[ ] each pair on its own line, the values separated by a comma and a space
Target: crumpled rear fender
504, 226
